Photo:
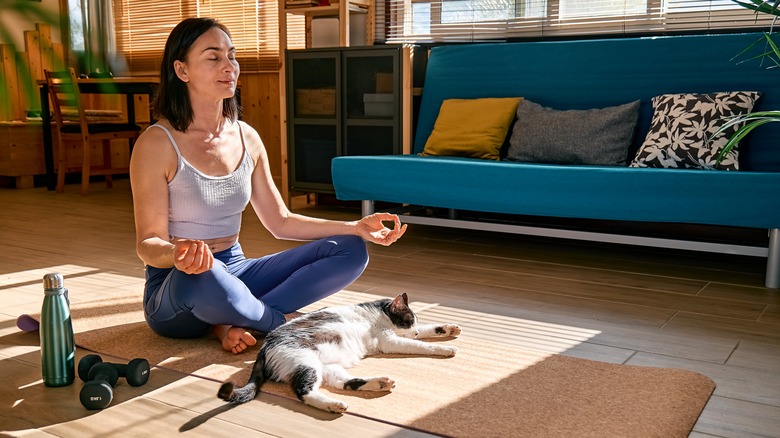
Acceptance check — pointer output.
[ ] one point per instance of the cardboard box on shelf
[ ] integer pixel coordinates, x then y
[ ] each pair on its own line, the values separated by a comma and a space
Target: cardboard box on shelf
384, 82
315, 102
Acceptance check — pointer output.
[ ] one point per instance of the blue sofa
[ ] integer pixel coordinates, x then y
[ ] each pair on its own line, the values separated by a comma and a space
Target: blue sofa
581, 75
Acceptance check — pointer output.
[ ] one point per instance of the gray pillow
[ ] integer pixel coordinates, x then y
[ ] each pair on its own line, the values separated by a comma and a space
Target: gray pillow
593, 136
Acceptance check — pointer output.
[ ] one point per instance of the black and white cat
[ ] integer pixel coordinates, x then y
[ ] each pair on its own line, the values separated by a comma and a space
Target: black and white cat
316, 348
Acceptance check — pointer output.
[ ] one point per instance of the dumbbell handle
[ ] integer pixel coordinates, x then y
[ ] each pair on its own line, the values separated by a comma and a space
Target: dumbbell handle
136, 371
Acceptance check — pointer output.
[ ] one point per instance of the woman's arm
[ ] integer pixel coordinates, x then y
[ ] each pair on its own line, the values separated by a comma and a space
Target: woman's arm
283, 224
152, 164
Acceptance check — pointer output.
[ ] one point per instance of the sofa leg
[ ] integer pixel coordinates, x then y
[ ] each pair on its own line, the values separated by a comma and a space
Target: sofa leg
773, 260
366, 207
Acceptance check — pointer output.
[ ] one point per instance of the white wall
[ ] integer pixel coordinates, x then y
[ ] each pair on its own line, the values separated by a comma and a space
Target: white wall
16, 22
325, 31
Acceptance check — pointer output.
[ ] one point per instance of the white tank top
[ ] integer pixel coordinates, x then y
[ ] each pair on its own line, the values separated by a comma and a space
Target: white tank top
207, 207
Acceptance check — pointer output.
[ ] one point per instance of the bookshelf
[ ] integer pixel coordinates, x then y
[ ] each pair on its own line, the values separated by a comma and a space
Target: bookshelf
358, 103
342, 10
311, 9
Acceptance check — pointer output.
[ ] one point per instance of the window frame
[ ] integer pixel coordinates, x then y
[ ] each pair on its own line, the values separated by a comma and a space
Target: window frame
258, 53
656, 19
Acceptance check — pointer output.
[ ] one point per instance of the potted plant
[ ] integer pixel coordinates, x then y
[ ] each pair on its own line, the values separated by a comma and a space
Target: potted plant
30, 12
771, 52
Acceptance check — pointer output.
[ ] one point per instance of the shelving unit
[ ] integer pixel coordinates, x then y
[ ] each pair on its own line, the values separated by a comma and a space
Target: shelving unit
331, 128
358, 102
342, 10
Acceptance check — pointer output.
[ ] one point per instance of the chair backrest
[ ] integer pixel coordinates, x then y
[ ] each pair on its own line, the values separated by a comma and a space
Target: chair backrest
66, 98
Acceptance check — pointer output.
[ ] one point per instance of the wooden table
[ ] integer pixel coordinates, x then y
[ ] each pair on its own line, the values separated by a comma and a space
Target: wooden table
129, 86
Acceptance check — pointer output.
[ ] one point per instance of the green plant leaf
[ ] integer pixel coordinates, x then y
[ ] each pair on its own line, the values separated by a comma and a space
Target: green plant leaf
31, 12
751, 121
766, 7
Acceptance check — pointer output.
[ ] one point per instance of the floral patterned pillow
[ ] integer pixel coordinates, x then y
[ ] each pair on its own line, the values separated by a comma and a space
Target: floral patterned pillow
682, 124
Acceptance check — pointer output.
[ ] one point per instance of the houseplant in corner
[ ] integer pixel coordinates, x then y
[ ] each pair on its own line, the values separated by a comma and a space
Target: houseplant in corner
22, 11
771, 52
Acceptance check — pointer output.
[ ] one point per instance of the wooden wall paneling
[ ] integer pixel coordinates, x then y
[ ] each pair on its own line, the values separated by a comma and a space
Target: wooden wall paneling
260, 105
25, 91
58, 56
21, 71
14, 104
5, 107
46, 49
269, 116
34, 71
281, 109
32, 47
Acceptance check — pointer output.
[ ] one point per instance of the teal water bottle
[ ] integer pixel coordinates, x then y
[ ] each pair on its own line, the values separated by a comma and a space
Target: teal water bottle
58, 348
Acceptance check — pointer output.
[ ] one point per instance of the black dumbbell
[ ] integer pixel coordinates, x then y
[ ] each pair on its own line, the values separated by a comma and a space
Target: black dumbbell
97, 391
136, 371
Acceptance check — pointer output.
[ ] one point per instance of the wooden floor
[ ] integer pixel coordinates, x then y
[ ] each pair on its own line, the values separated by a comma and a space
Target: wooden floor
707, 313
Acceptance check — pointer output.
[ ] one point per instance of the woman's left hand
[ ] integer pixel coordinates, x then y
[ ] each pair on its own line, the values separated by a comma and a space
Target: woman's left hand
372, 228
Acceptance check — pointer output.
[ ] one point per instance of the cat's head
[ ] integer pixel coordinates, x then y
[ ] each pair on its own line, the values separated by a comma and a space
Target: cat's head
403, 318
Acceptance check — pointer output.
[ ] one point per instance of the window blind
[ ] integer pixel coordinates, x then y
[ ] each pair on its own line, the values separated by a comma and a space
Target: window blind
142, 27
440, 21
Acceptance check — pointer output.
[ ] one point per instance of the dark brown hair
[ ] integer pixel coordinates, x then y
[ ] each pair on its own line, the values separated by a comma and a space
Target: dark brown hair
171, 101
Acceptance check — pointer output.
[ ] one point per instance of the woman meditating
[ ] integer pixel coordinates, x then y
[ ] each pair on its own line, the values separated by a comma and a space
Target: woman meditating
192, 174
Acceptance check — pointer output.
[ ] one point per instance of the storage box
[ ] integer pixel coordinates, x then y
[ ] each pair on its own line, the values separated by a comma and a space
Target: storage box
378, 105
384, 82
315, 102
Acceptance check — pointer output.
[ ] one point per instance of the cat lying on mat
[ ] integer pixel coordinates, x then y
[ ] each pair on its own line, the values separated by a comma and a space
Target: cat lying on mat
316, 348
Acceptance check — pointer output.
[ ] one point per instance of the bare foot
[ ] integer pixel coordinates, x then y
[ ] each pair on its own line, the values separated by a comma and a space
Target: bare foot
234, 339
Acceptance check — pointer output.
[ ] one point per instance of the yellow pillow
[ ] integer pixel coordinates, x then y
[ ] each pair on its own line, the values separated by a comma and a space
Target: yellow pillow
473, 128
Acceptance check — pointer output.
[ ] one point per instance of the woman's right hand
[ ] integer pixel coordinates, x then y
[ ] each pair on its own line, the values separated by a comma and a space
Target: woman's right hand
192, 256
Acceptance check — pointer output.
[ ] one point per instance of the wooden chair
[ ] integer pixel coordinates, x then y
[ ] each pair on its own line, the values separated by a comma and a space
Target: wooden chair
77, 127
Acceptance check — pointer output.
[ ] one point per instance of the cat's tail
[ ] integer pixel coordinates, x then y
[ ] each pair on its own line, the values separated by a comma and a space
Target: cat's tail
249, 391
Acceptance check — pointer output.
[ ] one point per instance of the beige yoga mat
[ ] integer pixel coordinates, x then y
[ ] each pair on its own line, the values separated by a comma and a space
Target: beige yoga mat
485, 390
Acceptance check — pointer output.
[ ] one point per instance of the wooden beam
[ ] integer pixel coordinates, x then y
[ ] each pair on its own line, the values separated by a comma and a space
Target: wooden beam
13, 106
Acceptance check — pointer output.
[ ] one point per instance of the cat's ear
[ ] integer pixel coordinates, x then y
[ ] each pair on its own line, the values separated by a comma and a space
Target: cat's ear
400, 303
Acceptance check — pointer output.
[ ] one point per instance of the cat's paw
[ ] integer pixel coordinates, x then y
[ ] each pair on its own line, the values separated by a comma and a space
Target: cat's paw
445, 350
378, 384
337, 407
448, 330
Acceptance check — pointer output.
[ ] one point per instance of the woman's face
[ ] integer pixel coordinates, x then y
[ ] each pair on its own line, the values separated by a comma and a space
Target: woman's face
210, 69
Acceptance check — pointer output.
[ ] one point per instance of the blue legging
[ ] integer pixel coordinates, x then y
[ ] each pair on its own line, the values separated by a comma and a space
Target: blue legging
253, 293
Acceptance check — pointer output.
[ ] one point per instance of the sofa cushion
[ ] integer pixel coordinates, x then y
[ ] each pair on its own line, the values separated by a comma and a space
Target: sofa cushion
562, 190
472, 127
682, 125
593, 136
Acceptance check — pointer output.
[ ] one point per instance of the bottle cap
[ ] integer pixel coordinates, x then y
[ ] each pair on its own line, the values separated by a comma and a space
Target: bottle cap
53, 281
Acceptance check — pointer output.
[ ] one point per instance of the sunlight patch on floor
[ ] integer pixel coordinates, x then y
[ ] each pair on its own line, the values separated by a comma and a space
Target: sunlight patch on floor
525, 333
342, 298
36, 275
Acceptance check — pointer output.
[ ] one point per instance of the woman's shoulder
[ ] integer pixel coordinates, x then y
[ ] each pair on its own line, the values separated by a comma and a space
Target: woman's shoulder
156, 131
252, 140
247, 129
155, 141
